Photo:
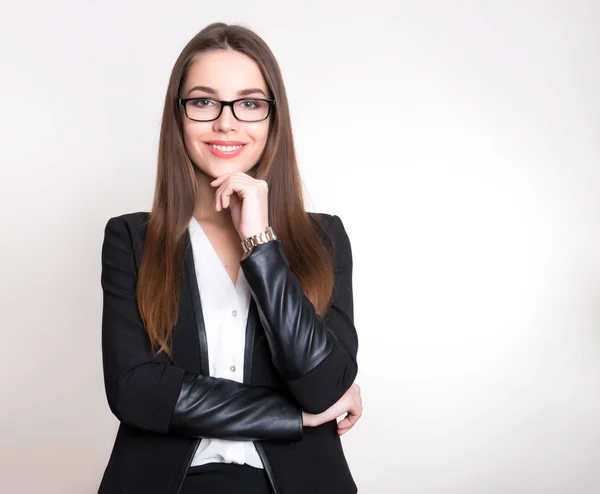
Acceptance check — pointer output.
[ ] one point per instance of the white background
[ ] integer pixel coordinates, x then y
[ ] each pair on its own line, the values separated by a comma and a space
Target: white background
458, 142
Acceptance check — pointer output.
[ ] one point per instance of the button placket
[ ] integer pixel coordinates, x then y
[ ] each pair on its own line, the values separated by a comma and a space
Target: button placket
234, 314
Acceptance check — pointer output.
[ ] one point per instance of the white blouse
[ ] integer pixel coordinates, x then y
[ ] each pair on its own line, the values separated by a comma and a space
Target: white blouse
225, 310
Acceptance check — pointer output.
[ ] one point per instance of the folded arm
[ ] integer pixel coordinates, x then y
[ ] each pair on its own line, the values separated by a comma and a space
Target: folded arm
151, 393
315, 355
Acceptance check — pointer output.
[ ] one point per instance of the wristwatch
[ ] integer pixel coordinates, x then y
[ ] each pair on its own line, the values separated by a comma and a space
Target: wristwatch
260, 238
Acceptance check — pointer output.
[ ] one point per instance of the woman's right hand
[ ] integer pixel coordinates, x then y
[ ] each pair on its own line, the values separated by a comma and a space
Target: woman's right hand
350, 402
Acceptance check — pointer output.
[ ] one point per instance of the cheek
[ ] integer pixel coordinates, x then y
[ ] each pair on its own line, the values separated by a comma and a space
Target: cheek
188, 132
259, 134
192, 131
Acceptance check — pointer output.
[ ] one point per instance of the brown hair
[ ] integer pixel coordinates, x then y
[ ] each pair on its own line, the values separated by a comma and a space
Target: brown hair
175, 194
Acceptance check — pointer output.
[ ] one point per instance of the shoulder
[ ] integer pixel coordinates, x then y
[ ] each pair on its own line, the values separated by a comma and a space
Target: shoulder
322, 220
334, 230
133, 220
124, 237
132, 223
331, 228
331, 223
127, 229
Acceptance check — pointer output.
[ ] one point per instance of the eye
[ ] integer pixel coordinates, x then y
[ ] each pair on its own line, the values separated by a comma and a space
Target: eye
251, 104
203, 102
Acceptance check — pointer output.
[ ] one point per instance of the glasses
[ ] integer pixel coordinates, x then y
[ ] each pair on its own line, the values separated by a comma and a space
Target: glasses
245, 109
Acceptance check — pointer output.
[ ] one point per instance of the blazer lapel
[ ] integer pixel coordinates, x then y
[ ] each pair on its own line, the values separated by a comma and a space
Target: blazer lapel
189, 338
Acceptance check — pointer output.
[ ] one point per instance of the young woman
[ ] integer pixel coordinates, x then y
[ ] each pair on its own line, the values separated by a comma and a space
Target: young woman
228, 338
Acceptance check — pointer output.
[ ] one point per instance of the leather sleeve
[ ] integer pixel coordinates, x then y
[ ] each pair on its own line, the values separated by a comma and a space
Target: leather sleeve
316, 356
213, 407
149, 392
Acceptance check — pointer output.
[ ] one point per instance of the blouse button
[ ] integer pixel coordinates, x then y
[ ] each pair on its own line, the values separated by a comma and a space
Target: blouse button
232, 368
234, 313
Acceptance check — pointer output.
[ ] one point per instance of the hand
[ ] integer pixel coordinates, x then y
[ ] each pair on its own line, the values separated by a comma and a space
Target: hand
350, 402
248, 200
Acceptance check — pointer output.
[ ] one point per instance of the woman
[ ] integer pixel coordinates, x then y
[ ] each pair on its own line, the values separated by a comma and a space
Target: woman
228, 340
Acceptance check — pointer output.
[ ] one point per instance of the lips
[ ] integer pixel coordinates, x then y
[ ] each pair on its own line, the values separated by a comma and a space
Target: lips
225, 149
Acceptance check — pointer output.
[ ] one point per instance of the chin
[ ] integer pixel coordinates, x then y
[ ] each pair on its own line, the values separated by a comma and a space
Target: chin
221, 167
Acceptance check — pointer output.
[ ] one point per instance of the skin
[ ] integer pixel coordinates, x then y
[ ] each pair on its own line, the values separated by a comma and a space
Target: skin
230, 204
228, 73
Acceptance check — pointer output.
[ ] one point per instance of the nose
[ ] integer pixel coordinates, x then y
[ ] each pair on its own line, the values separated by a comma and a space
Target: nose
226, 121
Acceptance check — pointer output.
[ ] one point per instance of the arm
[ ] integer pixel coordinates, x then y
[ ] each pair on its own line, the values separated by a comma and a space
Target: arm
315, 356
149, 392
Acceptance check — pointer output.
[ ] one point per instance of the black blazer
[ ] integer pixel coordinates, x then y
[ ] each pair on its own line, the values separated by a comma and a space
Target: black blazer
294, 360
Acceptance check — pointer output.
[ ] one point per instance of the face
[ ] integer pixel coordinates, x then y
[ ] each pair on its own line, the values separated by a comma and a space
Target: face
225, 145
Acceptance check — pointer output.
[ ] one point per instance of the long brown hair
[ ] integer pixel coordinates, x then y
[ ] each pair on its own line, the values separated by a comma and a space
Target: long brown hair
161, 268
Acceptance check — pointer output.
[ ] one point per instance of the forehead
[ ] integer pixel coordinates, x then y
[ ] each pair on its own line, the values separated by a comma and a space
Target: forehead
226, 71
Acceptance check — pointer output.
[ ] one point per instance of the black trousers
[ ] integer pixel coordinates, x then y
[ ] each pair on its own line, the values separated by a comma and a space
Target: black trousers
225, 478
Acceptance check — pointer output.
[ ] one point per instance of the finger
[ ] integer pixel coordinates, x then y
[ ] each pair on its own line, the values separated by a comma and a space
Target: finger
222, 182
353, 416
348, 421
219, 196
341, 432
218, 200
219, 180
226, 193
225, 200
344, 424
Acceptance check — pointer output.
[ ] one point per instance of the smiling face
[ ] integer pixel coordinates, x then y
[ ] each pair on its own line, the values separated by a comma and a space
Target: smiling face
225, 145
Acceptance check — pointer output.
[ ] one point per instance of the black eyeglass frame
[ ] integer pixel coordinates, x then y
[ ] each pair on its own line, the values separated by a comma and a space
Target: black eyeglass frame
270, 102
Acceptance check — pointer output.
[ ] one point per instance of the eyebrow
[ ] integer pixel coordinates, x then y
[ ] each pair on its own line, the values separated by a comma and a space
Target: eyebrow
243, 92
